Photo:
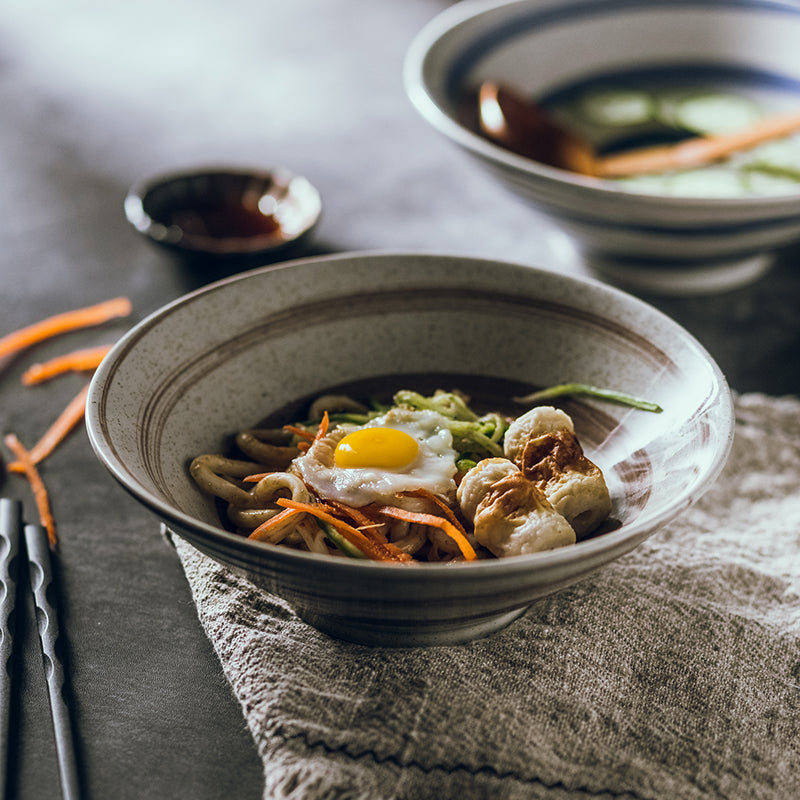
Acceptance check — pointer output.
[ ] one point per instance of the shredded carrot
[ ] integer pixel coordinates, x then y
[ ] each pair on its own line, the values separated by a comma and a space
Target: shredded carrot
76, 361
37, 486
437, 522
372, 550
61, 323
57, 432
366, 524
256, 477
301, 432
447, 512
356, 514
265, 527
323, 427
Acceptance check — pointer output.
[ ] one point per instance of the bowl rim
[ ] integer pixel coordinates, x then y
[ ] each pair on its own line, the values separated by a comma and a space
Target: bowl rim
147, 225
634, 532
423, 100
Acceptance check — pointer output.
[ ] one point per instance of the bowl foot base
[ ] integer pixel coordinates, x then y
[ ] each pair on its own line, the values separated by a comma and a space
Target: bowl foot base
691, 279
414, 634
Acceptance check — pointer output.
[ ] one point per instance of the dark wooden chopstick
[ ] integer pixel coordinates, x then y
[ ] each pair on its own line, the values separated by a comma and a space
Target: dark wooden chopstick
41, 576
37, 548
10, 531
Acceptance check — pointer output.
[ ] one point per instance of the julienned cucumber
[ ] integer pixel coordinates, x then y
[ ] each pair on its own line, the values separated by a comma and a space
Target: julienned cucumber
340, 542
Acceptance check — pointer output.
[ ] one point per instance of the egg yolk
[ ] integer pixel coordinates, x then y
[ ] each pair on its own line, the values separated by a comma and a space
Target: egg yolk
385, 448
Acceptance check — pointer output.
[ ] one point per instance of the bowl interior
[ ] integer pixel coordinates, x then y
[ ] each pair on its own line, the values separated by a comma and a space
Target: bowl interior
224, 211
226, 357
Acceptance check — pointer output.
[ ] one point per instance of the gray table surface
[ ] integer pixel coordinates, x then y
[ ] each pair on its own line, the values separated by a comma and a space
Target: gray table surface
94, 96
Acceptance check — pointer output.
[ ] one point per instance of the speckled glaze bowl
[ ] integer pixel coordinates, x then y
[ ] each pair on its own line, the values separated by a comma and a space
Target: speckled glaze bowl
641, 241
223, 358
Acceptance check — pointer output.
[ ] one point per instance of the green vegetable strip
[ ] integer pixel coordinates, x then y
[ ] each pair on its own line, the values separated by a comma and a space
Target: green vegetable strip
494, 426
468, 437
591, 391
339, 541
445, 403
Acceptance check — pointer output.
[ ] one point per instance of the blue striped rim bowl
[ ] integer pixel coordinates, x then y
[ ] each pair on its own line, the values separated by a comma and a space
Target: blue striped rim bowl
706, 239
184, 380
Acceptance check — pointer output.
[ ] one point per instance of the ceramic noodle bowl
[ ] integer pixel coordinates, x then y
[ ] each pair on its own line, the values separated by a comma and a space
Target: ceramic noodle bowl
226, 357
701, 240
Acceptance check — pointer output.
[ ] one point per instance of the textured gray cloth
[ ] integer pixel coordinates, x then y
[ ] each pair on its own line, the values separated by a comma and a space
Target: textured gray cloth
672, 673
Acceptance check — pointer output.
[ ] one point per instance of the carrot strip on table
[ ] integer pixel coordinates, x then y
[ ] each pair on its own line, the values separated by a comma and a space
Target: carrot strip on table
437, 522
57, 432
40, 494
61, 323
88, 358
373, 550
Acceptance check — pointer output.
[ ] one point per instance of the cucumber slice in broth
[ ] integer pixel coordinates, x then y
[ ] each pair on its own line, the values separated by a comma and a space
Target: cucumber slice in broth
780, 157
759, 182
616, 107
713, 112
657, 183
718, 181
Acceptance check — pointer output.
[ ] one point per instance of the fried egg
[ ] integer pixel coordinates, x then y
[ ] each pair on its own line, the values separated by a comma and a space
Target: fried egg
402, 450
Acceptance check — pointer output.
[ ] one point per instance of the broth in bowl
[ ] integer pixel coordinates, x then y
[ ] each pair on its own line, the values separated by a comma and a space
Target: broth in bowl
662, 106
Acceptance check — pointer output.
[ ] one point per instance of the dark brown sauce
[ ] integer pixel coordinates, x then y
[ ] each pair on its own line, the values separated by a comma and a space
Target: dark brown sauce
224, 222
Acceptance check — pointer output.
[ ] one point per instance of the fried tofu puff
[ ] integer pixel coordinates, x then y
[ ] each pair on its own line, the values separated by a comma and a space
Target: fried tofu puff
543, 444
510, 515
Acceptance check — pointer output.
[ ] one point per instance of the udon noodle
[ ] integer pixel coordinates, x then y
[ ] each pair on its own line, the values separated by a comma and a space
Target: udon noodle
425, 479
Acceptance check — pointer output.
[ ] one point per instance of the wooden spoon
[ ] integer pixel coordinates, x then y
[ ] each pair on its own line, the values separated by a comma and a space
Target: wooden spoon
522, 126
526, 129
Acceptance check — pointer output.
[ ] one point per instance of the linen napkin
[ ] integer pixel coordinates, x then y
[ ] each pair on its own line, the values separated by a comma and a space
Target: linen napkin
671, 673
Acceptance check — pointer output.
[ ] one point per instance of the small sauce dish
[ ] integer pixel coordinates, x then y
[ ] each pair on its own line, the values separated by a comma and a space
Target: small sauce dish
224, 212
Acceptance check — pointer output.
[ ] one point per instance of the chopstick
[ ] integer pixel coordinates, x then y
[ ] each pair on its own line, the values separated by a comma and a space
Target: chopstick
41, 575
10, 529
37, 548
697, 151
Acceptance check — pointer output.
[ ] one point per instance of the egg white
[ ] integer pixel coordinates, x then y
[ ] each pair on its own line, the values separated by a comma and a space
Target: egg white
433, 468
